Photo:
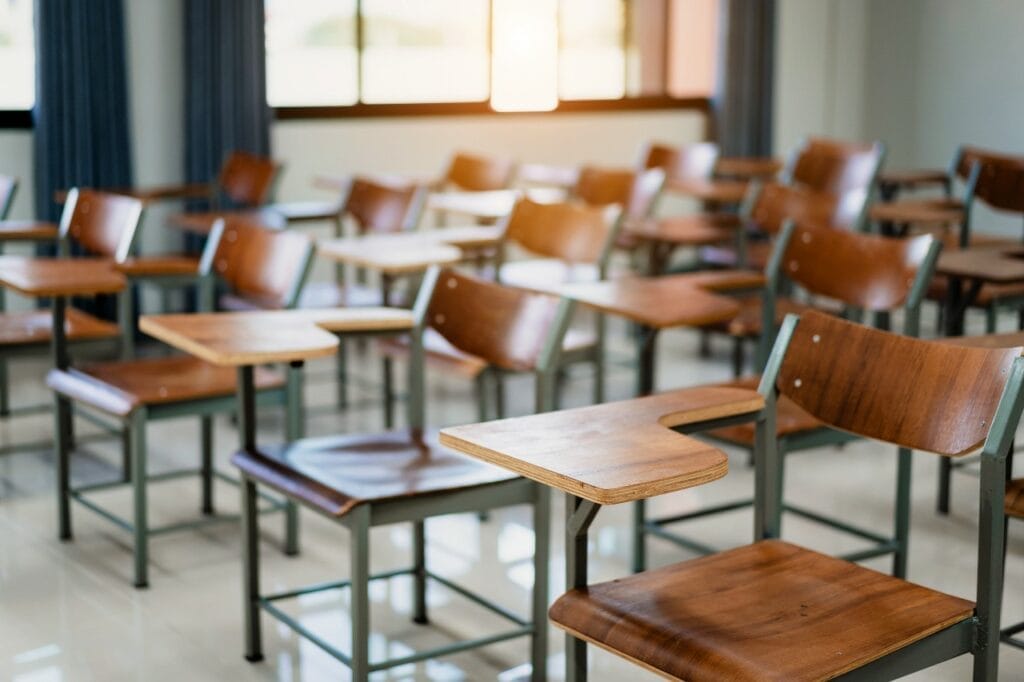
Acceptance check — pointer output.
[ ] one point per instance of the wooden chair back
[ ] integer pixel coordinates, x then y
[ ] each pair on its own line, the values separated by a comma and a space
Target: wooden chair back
688, 162
8, 188
1000, 183
380, 208
505, 326
922, 395
478, 173
102, 224
777, 203
834, 167
864, 271
567, 231
635, 191
247, 179
259, 263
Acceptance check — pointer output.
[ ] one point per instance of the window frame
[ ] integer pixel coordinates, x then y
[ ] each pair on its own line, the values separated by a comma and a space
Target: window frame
361, 109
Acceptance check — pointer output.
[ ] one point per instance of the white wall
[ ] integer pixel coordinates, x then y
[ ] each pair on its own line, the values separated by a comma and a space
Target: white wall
16, 160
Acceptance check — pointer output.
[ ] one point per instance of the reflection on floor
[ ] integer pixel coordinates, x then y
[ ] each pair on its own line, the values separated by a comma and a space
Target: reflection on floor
68, 612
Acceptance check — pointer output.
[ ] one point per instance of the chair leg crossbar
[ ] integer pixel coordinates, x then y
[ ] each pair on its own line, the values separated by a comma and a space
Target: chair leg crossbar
523, 626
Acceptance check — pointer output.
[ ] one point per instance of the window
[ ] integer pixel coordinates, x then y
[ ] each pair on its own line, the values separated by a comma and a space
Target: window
17, 56
482, 55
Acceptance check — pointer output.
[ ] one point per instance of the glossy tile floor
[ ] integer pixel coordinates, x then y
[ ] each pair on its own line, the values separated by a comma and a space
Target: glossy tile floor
68, 611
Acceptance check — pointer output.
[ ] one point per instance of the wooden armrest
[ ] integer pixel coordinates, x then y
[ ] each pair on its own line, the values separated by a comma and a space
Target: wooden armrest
615, 452
159, 266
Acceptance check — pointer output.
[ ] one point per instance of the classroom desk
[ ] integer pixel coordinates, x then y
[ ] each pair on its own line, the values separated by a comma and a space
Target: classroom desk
609, 454
711, 191
748, 167
973, 268
665, 235
657, 303
491, 205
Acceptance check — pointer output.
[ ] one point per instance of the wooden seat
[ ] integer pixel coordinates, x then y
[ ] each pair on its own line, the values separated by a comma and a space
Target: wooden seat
749, 323
923, 212
335, 474
767, 611
121, 387
245, 181
35, 327
1014, 501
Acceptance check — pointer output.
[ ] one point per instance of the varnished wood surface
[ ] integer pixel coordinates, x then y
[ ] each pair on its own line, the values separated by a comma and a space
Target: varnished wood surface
122, 387
36, 327
634, 191
748, 168
919, 212
789, 419
390, 254
247, 179
660, 302
159, 266
767, 611
102, 224
689, 230
475, 173
261, 263
27, 230
748, 322
911, 179
614, 452
947, 408
251, 338
984, 264
336, 474
1007, 340
1014, 500
717, 191
836, 167
40, 277
568, 231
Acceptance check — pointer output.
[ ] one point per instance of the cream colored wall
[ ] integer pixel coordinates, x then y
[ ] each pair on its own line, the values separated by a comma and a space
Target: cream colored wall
16, 160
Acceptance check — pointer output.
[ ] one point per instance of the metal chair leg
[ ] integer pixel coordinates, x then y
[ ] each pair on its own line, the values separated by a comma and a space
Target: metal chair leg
480, 388
902, 520
737, 357
419, 576
387, 371
991, 319
360, 600
63, 425
5, 399
541, 550
140, 520
295, 429
206, 462
599, 378
639, 537
945, 471
126, 453
251, 572
499, 394
342, 367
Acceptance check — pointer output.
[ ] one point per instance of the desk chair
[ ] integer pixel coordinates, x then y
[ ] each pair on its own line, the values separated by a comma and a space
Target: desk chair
100, 224
245, 181
774, 610
636, 192
405, 476
1013, 505
254, 262
861, 273
687, 162
574, 242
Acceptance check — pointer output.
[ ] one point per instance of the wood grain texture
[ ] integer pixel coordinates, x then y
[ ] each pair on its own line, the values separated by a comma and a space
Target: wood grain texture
614, 452
336, 474
660, 302
947, 407
36, 327
38, 277
688, 230
985, 264
789, 419
122, 387
504, 326
571, 232
379, 208
478, 173
1013, 503
259, 262
836, 167
767, 611
27, 230
247, 179
862, 270
159, 266
635, 191
103, 224
390, 254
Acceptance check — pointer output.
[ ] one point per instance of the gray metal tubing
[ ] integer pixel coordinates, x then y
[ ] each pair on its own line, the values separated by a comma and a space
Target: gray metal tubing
453, 648
703, 511
333, 585
942, 646
539, 597
477, 599
359, 609
419, 575
680, 540
139, 503
838, 525
251, 572
92, 506
579, 515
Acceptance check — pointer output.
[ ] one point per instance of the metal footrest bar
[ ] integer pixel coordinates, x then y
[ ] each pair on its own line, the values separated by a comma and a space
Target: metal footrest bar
28, 409
881, 550
50, 445
704, 511
1006, 635
680, 540
524, 627
838, 525
109, 516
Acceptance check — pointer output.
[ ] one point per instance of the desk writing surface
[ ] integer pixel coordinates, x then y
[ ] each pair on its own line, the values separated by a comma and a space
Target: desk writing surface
39, 277
258, 337
27, 230
985, 264
390, 254
614, 452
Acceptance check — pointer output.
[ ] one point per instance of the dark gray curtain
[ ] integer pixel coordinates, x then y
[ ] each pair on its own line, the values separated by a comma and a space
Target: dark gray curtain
744, 97
82, 122
225, 84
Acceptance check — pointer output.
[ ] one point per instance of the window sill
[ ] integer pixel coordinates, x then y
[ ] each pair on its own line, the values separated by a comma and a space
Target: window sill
701, 104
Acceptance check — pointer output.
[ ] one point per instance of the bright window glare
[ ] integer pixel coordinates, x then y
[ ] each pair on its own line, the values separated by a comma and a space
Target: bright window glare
311, 53
416, 51
523, 65
592, 61
17, 55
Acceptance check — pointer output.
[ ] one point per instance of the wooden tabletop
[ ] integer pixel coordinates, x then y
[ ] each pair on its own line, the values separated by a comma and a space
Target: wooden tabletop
665, 302
748, 167
27, 230
984, 264
721, 191
688, 230
614, 452
253, 338
39, 277
393, 254
490, 205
